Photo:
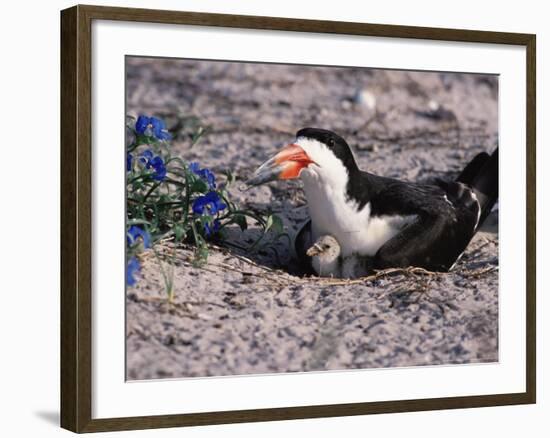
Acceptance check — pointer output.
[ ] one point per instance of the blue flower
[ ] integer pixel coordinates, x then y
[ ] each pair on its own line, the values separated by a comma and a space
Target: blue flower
195, 167
209, 177
146, 156
154, 162
142, 124
153, 127
211, 203
132, 268
134, 233
129, 161
157, 163
205, 174
212, 229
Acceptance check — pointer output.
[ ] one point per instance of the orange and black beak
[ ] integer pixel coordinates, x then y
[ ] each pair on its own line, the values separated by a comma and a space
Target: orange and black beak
287, 164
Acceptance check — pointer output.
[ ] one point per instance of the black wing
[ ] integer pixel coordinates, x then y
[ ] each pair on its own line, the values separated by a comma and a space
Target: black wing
446, 217
302, 243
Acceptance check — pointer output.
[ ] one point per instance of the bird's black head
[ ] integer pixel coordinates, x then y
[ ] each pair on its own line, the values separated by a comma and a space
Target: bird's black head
333, 142
315, 150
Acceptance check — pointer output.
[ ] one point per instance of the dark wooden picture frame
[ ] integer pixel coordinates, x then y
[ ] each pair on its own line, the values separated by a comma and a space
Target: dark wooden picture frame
76, 218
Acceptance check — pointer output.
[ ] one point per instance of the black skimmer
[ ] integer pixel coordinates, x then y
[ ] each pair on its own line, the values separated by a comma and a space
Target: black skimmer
378, 222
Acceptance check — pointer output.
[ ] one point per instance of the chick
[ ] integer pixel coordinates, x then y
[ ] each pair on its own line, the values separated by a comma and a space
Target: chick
327, 260
325, 256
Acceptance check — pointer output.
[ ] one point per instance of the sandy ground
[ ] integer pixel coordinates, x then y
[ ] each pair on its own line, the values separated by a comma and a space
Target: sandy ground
253, 313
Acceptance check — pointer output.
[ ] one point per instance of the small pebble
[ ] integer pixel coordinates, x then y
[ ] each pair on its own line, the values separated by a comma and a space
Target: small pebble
365, 98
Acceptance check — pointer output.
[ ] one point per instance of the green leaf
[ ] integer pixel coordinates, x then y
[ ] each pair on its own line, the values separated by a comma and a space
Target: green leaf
201, 255
137, 222
268, 223
240, 220
198, 135
145, 139
179, 232
199, 186
230, 177
274, 223
164, 198
205, 219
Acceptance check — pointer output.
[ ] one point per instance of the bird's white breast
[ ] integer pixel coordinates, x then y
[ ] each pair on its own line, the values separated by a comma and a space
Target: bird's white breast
333, 213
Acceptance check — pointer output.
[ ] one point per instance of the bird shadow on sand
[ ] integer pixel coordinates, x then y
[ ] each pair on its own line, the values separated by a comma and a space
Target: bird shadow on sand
272, 251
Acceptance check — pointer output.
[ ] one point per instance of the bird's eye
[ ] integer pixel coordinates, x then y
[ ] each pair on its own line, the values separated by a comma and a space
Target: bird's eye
331, 142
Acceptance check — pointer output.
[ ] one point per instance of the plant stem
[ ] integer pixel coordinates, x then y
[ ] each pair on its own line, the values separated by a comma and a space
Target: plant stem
153, 187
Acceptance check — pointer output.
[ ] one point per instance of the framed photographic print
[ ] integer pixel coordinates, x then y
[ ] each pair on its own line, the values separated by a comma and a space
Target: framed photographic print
268, 218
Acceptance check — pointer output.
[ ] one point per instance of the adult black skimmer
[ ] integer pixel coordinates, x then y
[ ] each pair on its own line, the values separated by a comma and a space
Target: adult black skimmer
378, 222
